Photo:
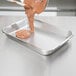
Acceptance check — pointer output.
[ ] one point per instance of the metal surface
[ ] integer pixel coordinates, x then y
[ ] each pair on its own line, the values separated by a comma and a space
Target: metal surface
46, 39
18, 60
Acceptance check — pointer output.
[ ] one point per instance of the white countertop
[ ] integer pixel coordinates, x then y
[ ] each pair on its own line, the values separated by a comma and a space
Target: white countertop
18, 60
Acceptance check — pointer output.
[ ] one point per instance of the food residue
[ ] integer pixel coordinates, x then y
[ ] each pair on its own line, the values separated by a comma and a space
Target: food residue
31, 7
